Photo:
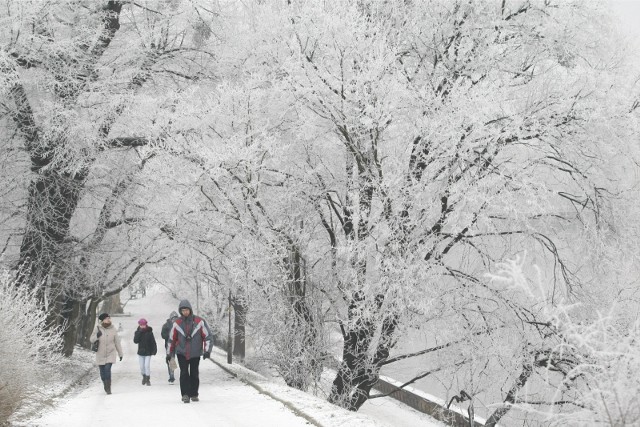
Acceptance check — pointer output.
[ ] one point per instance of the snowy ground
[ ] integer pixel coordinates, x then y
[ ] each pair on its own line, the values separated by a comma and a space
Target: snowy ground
231, 395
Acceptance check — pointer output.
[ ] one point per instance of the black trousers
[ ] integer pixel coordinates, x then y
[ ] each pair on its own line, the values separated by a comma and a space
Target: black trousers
189, 375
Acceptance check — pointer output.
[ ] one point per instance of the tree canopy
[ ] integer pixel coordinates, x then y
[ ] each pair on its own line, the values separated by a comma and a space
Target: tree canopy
366, 171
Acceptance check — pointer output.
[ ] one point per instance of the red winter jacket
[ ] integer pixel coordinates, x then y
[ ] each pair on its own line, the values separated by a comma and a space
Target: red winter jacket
189, 335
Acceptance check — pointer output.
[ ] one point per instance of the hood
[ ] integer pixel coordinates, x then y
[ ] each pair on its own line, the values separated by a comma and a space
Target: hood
185, 304
174, 315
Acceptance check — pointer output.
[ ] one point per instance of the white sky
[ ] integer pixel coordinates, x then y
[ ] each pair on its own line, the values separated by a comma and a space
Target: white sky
629, 13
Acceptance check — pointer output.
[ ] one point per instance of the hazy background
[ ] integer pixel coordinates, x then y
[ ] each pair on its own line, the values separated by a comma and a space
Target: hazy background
629, 13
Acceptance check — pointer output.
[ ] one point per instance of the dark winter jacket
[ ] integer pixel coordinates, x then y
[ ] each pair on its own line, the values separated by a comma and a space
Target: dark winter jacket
189, 335
146, 341
166, 328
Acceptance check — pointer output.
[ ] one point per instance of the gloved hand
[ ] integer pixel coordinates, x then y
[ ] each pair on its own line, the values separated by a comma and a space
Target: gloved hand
168, 358
121, 358
206, 355
99, 334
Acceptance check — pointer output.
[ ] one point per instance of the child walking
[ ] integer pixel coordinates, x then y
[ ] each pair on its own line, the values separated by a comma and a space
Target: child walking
147, 347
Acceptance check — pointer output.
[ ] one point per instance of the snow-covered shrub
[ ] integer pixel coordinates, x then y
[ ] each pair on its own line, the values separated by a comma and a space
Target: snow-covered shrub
28, 350
587, 363
604, 374
296, 347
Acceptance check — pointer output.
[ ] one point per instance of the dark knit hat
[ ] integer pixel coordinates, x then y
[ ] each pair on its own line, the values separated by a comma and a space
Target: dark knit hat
103, 316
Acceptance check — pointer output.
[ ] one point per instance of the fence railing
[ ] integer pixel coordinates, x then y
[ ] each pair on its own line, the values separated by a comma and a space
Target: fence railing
427, 404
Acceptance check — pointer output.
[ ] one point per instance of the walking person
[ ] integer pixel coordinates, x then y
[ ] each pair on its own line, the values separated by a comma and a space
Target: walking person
109, 345
164, 333
147, 347
189, 338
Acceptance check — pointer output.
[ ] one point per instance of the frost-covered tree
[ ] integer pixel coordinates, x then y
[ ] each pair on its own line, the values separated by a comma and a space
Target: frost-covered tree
80, 81
440, 138
370, 161
382, 156
350, 163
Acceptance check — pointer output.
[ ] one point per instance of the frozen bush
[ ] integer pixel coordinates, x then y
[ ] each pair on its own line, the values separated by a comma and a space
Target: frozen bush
28, 350
605, 374
589, 362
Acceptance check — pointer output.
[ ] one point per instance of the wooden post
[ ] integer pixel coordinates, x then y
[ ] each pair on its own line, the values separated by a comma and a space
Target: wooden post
230, 337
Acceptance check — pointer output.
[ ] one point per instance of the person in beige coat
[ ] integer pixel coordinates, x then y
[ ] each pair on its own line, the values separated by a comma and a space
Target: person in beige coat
109, 346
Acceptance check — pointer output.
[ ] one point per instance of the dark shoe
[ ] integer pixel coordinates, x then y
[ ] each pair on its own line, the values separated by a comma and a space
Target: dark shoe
148, 380
171, 380
107, 386
144, 379
195, 399
185, 398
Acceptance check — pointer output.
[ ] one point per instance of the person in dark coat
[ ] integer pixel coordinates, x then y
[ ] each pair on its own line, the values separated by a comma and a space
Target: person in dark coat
166, 328
189, 338
143, 336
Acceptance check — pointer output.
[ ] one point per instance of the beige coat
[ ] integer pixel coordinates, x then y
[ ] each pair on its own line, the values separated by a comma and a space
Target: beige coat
109, 344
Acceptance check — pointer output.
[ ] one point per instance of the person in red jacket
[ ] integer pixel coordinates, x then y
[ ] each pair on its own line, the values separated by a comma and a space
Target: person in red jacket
189, 338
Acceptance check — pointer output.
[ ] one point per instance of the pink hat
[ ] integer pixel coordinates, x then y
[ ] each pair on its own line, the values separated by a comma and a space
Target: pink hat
142, 321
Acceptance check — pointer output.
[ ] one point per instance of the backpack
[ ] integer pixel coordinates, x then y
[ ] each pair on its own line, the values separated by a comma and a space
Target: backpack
164, 333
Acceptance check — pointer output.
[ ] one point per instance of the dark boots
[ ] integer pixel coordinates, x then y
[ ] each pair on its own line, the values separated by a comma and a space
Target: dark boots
107, 386
146, 380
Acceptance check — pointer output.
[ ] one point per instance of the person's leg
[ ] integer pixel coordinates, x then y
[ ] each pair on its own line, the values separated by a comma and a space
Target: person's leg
142, 372
147, 368
107, 375
147, 365
184, 375
107, 371
194, 376
171, 379
102, 373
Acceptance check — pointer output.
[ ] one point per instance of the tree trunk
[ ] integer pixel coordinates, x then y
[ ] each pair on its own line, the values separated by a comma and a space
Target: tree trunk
61, 307
112, 305
52, 199
87, 322
240, 316
359, 371
303, 360
71, 314
510, 399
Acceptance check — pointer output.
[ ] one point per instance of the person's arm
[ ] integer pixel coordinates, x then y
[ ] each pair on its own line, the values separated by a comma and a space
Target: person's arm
207, 339
171, 342
136, 336
164, 333
118, 345
173, 338
95, 335
154, 345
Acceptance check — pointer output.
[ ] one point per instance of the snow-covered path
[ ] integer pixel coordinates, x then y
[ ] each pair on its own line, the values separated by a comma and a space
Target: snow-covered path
224, 400
232, 396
